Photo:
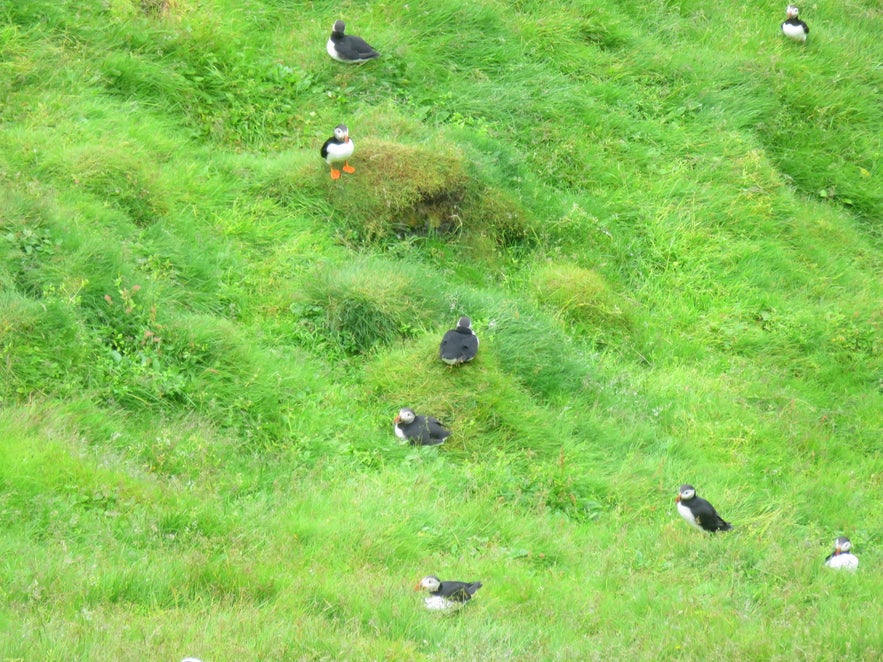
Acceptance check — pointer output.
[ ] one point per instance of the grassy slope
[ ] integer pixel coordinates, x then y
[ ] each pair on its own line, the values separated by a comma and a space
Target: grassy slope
669, 242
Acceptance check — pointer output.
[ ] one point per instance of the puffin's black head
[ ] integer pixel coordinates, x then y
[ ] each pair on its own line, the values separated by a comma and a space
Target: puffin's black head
464, 323
341, 133
338, 27
406, 415
841, 545
686, 493
430, 583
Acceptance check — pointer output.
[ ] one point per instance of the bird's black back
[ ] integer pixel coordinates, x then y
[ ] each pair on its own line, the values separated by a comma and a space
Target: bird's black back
352, 47
459, 591
458, 345
707, 516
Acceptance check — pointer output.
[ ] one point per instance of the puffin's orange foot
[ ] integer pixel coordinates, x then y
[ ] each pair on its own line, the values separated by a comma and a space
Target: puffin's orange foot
347, 167
335, 174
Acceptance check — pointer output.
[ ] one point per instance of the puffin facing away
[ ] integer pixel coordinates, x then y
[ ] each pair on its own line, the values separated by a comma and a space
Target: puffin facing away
339, 148
447, 595
348, 48
793, 27
419, 430
459, 345
698, 512
842, 557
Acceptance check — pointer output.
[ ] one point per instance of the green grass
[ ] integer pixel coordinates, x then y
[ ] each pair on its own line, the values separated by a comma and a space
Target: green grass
668, 239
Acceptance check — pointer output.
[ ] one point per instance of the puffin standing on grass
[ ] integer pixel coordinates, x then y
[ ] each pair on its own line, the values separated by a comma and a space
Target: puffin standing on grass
339, 148
793, 27
459, 345
445, 596
419, 430
698, 512
348, 48
842, 557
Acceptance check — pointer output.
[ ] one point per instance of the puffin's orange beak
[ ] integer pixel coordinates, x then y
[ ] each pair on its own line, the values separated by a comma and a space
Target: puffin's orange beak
417, 588
678, 498
398, 419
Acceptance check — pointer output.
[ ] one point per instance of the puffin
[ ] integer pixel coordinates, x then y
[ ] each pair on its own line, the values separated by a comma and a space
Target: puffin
698, 512
339, 148
444, 596
793, 27
842, 557
348, 48
459, 345
419, 430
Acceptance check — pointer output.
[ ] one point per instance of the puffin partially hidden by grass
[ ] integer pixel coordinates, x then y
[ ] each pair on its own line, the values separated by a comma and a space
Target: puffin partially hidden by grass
459, 345
348, 48
842, 557
698, 513
339, 148
793, 27
419, 430
444, 596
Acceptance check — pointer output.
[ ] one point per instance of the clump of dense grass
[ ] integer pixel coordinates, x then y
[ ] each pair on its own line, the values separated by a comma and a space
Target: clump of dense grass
582, 297
351, 309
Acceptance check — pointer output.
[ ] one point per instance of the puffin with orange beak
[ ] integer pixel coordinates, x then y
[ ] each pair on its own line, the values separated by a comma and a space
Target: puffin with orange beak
339, 148
698, 513
419, 430
444, 596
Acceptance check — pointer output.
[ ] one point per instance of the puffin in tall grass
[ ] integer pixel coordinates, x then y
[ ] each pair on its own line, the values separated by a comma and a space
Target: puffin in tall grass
698, 513
842, 557
459, 345
444, 596
339, 148
419, 430
348, 48
793, 27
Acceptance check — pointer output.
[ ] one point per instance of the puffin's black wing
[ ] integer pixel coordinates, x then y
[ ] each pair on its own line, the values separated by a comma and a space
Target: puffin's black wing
435, 432
708, 517
324, 152
351, 47
459, 591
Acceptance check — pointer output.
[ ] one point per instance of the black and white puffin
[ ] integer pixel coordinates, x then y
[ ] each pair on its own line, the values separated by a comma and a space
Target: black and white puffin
842, 558
419, 430
459, 345
339, 148
698, 512
793, 27
447, 595
348, 48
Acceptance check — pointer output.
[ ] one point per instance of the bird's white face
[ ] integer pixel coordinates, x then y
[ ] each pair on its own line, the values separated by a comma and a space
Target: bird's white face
430, 583
405, 416
842, 545
341, 133
792, 11
686, 493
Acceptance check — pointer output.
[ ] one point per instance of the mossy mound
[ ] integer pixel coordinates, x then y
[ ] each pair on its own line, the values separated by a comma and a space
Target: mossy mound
401, 190
581, 297
351, 308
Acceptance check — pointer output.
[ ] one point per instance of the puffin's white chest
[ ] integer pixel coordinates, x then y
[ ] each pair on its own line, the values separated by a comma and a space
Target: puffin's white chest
438, 603
340, 151
399, 432
794, 32
688, 516
332, 51
843, 561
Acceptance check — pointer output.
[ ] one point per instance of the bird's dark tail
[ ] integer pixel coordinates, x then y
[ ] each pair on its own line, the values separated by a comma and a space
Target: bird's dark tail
472, 588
